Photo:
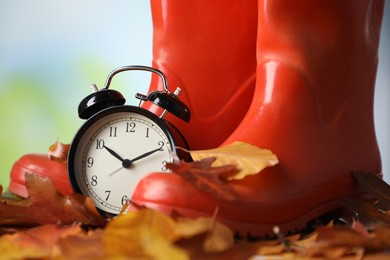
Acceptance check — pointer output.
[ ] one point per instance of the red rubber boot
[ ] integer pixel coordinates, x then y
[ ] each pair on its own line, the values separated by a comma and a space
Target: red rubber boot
313, 107
209, 50
41, 165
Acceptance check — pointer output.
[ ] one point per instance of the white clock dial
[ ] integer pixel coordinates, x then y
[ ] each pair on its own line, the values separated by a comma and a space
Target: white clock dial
115, 152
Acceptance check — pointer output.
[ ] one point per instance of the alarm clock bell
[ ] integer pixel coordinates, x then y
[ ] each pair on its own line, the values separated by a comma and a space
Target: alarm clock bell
105, 97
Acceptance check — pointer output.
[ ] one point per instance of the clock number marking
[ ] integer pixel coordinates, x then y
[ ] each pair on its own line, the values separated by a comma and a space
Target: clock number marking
99, 143
125, 200
130, 127
164, 167
147, 132
108, 193
94, 180
112, 131
89, 162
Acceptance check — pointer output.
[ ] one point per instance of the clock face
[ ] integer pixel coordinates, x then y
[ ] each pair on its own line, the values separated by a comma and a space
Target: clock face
113, 151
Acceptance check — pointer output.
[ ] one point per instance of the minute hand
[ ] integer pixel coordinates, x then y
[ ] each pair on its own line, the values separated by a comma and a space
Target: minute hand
145, 154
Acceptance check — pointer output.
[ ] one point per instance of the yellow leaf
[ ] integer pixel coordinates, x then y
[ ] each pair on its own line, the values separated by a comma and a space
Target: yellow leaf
249, 159
10, 250
144, 234
187, 227
219, 237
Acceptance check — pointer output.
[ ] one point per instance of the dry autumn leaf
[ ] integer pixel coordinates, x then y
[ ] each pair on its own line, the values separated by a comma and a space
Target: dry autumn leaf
219, 238
248, 159
206, 178
59, 152
375, 186
148, 234
144, 234
357, 240
82, 246
367, 211
35, 243
340, 241
45, 205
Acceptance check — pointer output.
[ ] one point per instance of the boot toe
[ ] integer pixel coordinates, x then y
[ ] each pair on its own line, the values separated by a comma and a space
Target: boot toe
42, 166
171, 194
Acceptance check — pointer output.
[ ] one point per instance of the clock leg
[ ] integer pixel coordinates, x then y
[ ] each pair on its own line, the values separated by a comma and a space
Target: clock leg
312, 106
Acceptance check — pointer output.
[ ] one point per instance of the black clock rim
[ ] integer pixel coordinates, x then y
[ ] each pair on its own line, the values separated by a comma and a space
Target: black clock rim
115, 109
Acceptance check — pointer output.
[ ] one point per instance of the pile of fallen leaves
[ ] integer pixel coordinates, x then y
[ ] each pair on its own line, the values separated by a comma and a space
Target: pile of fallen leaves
48, 225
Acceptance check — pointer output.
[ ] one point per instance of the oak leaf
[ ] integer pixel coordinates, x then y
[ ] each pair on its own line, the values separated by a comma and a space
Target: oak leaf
248, 159
206, 178
46, 205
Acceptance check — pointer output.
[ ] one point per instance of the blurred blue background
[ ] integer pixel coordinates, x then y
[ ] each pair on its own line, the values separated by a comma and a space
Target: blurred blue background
51, 52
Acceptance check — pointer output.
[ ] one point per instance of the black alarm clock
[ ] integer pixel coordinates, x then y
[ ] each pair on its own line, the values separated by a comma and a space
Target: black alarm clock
120, 144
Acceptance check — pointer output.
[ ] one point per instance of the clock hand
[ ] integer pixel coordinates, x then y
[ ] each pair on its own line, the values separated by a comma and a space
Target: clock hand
114, 153
145, 154
126, 163
115, 171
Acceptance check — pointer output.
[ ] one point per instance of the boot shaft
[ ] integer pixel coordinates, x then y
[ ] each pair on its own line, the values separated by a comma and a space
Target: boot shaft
334, 43
208, 49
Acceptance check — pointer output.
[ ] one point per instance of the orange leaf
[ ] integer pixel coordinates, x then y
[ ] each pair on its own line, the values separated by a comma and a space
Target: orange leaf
82, 245
35, 242
46, 204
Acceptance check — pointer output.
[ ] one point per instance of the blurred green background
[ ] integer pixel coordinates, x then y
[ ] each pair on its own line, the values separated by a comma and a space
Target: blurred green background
52, 51
50, 54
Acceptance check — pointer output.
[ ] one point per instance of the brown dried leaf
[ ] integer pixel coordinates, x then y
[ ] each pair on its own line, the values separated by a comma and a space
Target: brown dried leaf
358, 227
59, 152
45, 205
375, 186
340, 241
239, 251
248, 159
367, 212
271, 249
206, 178
382, 232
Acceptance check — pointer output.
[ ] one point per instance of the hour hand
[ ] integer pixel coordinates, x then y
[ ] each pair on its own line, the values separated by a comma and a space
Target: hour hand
146, 154
114, 153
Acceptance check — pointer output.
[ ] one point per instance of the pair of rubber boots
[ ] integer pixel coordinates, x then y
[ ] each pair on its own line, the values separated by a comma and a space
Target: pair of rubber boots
293, 77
